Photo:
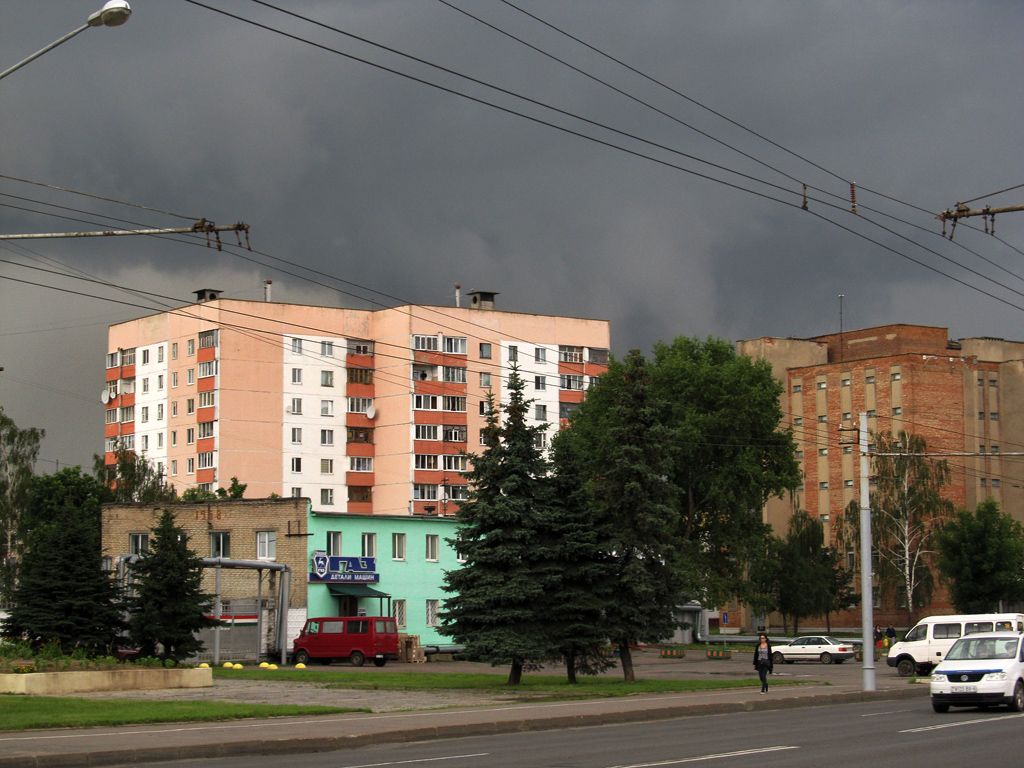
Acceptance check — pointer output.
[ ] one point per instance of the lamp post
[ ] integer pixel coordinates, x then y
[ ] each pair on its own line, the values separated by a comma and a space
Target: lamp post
112, 14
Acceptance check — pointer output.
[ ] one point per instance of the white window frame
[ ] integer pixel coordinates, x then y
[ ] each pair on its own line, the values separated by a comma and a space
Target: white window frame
427, 432
433, 547
398, 546
369, 544
266, 545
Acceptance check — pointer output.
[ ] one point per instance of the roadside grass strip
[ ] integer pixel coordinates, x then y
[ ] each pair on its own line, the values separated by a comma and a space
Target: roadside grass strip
18, 712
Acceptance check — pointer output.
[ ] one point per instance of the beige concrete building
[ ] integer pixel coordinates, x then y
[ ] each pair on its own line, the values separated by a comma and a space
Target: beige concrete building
361, 411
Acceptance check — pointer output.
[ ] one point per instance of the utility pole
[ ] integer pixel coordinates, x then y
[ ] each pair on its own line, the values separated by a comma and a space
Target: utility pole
867, 607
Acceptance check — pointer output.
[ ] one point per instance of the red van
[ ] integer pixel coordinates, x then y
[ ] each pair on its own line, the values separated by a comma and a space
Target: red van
356, 638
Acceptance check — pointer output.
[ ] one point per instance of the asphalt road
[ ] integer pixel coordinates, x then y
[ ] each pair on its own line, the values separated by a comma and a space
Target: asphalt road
870, 734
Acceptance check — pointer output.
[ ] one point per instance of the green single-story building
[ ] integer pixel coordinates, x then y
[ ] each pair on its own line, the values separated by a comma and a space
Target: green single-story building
380, 565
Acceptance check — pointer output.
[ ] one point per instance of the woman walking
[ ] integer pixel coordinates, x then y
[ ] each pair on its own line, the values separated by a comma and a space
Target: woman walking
763, 661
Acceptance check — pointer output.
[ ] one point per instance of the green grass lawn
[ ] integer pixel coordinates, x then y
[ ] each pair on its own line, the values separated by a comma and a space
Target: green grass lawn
18, 712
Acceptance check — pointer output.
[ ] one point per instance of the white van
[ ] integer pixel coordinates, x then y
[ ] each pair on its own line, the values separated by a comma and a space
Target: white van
927, 643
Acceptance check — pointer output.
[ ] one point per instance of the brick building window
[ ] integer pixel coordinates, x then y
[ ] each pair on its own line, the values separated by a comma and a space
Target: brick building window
266, 545
220, 544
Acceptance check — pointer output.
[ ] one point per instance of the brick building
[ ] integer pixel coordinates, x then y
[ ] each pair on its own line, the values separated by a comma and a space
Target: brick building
964, 397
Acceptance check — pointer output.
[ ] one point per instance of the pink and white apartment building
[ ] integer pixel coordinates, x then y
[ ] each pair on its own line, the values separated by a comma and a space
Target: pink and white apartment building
358, 410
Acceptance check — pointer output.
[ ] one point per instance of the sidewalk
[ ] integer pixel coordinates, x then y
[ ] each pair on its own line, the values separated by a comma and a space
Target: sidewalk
145, 744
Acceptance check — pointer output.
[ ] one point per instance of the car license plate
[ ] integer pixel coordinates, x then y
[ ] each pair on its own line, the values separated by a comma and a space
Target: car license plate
379, 656
963, 689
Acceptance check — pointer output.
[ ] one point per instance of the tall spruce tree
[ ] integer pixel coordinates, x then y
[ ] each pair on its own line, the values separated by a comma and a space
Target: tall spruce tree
493, 608
167, 604
628, 457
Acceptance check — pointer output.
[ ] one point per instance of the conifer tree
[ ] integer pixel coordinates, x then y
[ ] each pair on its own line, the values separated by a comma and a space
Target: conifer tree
168, 605
495, 594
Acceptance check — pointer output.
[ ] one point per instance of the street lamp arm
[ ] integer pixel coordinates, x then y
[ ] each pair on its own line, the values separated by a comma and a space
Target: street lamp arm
201, 226
39, 53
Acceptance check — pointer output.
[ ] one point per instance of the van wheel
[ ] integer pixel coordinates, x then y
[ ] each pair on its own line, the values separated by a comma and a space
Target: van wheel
301, 657
939, 707
1017, 702
356, 659
379, 662
907, 668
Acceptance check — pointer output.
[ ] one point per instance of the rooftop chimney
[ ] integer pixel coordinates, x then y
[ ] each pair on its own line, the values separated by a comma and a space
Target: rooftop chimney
207, 294
482, 299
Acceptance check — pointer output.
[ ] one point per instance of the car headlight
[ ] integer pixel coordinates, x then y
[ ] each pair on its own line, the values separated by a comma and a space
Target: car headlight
996, 676
938, 678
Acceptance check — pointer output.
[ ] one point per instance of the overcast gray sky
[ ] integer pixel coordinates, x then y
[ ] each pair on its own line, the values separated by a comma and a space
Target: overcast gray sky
398, 187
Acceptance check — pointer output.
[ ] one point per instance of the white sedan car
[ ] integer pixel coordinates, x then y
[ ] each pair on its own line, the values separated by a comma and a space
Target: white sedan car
981, 671
813, 648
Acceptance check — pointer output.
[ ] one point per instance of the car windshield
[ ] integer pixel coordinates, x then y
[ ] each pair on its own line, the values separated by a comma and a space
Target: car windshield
968, 648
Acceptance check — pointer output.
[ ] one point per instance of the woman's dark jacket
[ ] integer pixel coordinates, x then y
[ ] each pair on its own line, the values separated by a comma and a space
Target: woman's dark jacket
757, 649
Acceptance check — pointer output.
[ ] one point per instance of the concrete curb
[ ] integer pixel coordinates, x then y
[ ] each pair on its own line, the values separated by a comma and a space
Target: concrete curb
335, 743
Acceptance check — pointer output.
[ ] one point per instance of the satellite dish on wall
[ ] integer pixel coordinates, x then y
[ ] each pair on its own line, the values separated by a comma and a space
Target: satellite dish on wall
104, 397
371, 412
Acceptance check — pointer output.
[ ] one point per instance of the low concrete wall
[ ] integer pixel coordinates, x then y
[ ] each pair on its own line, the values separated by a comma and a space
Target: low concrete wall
50, 683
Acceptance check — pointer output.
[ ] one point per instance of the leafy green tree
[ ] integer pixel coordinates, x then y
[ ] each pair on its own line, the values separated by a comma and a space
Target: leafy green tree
63, 593
195, 493
132, 478
494, 595
18, 451
235, 491
728, 458
167, 604
628, 458
840, 593
981, 558
907, 508
801, 576
577, 587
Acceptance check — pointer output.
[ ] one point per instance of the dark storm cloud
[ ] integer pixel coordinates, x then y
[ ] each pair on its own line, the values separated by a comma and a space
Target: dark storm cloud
408, 190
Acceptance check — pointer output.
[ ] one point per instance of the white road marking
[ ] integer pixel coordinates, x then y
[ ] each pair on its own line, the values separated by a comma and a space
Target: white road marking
959, 723
891, 712
698, 758
420, 760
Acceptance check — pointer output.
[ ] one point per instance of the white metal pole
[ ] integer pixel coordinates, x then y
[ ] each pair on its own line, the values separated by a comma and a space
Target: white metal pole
867, 607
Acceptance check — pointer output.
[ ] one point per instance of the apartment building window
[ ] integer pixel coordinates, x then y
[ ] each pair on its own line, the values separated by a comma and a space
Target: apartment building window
174, 350
112, 416
113, 358
296, 463
359, 435
872, 413
296, 346
981, 415
823, 451
896, 376
993, 383
432, 546
208, 339
799, 454
994, 416
851, 558
360, 347
847, 415
797, 388
145, 385
159, 439
567, 354
296, 375
454, 434
174, 467
485, 350
540, 355
360, 404
160, 383
326, 496
458, 492
424, 402
425, 343
823, 485
844, 382
847, 449
128, 356
266, 545
566, 410
400, 613
485, 380
513, 353
454, 403
454, 375
190, 376
296, 492
398, 546
206, 460
869, 379
128, 413
483, 437
822, 385
540, 441
981, 449
326, 378
897, 411
369, 545
326, 437
823, 419
190, 436
360, 464
984, 482
540, 412
455, 345
455, 462
191, 347
190, 405
995, 449
334, 543
360, 493
127, 386
433, 613
326, 407
540, 382
207, 399
111, 389
145, 442
848, 483
138, 543
190, 466
327, 348
995, 482
296, 435
160, 412
360, 376
326, 466
424, 492
128, 442
426, 432
597, 356
571, 381
174, 437
425, 461
174, 379
296, 406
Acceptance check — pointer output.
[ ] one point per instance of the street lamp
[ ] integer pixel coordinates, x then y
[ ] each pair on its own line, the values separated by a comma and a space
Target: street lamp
113, 14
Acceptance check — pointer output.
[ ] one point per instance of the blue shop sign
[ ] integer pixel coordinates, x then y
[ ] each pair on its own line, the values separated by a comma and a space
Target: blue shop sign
362, 570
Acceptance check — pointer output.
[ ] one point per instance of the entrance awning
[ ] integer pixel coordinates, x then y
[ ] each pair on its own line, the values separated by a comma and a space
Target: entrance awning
354, 590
